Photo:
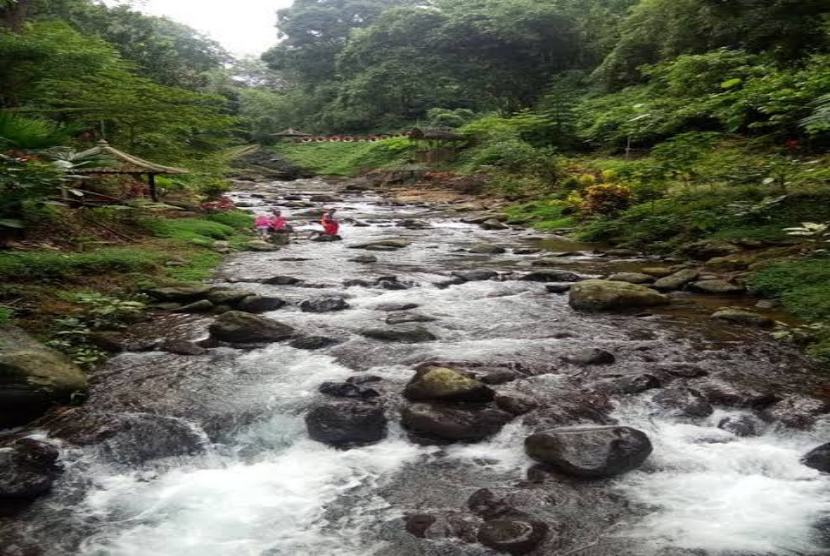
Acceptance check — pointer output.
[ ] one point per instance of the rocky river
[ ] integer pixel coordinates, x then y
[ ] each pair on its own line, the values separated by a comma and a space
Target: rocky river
392, 410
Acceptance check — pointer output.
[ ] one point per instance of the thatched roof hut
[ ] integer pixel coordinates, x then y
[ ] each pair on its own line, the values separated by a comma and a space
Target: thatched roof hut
126, 164
291, 133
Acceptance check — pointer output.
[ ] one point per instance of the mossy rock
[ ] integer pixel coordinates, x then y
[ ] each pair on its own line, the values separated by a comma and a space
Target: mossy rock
448, 385
606, 295
33, 377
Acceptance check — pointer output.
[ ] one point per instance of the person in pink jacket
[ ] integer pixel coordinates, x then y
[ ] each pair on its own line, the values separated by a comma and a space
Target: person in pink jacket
262, 223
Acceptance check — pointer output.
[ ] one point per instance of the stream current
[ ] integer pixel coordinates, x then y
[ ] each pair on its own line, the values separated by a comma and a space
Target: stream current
217, 462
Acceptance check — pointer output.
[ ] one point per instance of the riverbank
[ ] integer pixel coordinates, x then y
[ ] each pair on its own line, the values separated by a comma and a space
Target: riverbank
314, 435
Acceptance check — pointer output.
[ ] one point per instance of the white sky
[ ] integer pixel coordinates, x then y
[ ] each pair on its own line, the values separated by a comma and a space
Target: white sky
242, 26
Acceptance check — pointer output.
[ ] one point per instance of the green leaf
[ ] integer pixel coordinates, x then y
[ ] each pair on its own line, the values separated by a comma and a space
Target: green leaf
731, 83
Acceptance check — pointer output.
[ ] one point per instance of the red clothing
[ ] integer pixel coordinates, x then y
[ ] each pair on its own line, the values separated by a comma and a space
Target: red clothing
278, 223
330, 225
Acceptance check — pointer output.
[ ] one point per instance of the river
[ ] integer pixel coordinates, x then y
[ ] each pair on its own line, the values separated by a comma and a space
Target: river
216, 460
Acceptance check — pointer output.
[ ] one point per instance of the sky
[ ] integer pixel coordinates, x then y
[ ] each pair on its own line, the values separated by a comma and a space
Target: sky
244, 27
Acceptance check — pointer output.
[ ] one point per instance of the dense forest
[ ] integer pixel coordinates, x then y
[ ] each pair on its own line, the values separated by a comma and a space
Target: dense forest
648, 124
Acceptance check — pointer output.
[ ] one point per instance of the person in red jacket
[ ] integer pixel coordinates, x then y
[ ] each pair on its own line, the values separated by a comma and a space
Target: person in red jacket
331, 226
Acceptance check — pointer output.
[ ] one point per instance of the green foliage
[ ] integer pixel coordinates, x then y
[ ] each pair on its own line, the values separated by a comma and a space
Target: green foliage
24, 178
191, 230
606, 199
345, 159
71, 335
199, 267
6, 315
20, 132
103, 312
445, 117
59, 267
803, 286
238, 219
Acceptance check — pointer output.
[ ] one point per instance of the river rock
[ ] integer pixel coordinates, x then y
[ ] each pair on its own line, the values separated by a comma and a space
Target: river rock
403, 318
383, 245
658, 271
177, 294
818, 458
629, 385
396, 307
676, 281
558, 288
314, 342
364, 259
347, 424
798, 412
450, 423
493, 224
327, 238
260, 245
324, 305
476, 275
591, 356
683, 402
487, 249
496, 376
516, 404
182, 347
526, 251
281, 281
33, 377
325, 199
551, 276
225, 296
244, 328
442, 384
590, 452
260, 304
742, 425
717, 287
404, 335
513, 535
622, 253
28, 467
632, 277
347, 390
743, 316
605, 295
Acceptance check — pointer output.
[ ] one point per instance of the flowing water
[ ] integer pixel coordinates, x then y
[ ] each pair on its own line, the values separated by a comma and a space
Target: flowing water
214, 458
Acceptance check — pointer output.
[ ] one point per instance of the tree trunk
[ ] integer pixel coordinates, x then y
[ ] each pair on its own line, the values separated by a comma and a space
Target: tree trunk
13, 13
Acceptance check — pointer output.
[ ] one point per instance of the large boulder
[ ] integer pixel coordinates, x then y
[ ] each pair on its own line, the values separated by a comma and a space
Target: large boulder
442, 384
551, 276
227, 296
605, 295
798, 412
514, 535
632, 278
239, 327
347, 424
818, 458
448, 423
683, 402
33, 377
677, 281
590, 452
260, 304
404, 334
324, 305
28, 468
487, 249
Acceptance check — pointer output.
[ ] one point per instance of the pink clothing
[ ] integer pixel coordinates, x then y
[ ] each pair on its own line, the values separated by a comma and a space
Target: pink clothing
262, 221
278, 222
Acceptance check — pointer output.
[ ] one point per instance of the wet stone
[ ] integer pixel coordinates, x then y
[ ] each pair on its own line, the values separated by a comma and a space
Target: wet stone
396, 306
516, 404
244, 328
347, 390
476, 275
364, 259
201, 306
683, 402
551, 276
28, 467
406, 335
819, 458
183, 347
347, 424
513, 535
487, 249
314, 342
591, 356
260, 304
798, 412
324, 305
404, 317
447, 385
558, 288
590, 452
742, 425
632, 278
448, 423
282, 281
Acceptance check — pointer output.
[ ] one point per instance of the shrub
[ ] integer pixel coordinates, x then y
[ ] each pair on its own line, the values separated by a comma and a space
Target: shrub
191, 230
606, 199
803, 286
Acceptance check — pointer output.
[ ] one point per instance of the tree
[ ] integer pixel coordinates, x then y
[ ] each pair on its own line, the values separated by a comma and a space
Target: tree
13, 13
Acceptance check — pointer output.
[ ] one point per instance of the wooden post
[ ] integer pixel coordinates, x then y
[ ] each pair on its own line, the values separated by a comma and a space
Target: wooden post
151, 179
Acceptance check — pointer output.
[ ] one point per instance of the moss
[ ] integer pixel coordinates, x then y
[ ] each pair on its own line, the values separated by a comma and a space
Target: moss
56, 266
